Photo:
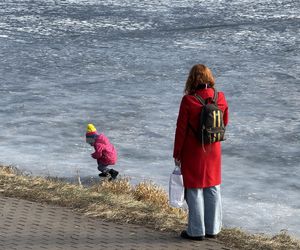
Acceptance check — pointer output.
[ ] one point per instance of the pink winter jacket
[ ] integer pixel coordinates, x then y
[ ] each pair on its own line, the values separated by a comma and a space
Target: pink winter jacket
105, 152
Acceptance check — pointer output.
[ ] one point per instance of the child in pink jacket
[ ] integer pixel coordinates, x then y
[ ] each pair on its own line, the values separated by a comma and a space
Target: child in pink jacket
105, 153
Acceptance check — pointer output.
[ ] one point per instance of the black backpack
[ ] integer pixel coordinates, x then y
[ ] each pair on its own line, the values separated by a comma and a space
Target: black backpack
211, 124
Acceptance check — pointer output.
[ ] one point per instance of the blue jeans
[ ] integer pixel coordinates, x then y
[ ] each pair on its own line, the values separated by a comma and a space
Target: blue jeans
103, 168
205, 211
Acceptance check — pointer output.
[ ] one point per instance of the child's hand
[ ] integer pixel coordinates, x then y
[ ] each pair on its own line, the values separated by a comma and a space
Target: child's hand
177, 162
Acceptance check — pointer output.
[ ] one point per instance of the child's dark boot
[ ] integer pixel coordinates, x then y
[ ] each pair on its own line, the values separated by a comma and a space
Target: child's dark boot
113, 174
103, 174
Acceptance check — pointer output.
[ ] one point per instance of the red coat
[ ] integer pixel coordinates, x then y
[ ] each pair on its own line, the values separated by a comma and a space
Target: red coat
105, 152
199, 169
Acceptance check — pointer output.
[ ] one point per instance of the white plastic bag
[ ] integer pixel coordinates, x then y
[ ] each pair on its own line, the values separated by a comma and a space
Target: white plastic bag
176, 189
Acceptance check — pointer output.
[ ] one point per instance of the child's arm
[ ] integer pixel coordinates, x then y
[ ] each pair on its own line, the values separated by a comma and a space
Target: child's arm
98, 151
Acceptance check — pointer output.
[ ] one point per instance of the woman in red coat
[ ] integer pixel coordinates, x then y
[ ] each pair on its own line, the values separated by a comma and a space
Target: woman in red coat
200, 164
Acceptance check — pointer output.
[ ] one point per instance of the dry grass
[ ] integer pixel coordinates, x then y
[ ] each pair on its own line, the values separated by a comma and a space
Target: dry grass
145, 204
117, 200
237, 238
147, 191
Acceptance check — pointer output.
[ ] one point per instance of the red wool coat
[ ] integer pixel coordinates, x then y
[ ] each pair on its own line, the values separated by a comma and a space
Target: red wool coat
199, 169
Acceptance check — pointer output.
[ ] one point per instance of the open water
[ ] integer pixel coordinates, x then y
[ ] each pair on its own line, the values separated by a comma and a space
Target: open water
122, 65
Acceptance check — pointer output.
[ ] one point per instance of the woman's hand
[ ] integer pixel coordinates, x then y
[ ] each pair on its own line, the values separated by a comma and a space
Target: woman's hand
177, 162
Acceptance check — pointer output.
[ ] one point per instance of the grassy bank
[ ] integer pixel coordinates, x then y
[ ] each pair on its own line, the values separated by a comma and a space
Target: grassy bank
145, 204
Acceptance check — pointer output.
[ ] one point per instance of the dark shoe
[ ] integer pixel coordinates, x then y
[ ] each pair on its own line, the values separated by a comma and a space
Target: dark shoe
103, 174
212, 236
186, 236
113, 173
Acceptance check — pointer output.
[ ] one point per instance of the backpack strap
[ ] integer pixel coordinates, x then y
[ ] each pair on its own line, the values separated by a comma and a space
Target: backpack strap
200, 99
215, 98
203, 102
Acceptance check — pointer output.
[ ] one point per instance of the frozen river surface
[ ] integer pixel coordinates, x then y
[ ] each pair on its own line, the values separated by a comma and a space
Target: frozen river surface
122, 65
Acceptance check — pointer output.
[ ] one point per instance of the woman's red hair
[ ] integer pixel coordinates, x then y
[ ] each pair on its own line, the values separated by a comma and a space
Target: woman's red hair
206, 77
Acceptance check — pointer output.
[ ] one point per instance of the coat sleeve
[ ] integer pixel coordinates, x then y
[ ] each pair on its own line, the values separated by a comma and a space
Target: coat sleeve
226, 116
181, 128
225, 113
222, 103
98, 151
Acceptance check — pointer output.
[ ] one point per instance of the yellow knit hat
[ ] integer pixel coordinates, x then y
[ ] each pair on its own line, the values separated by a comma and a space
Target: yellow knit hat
90, 128
91, 133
